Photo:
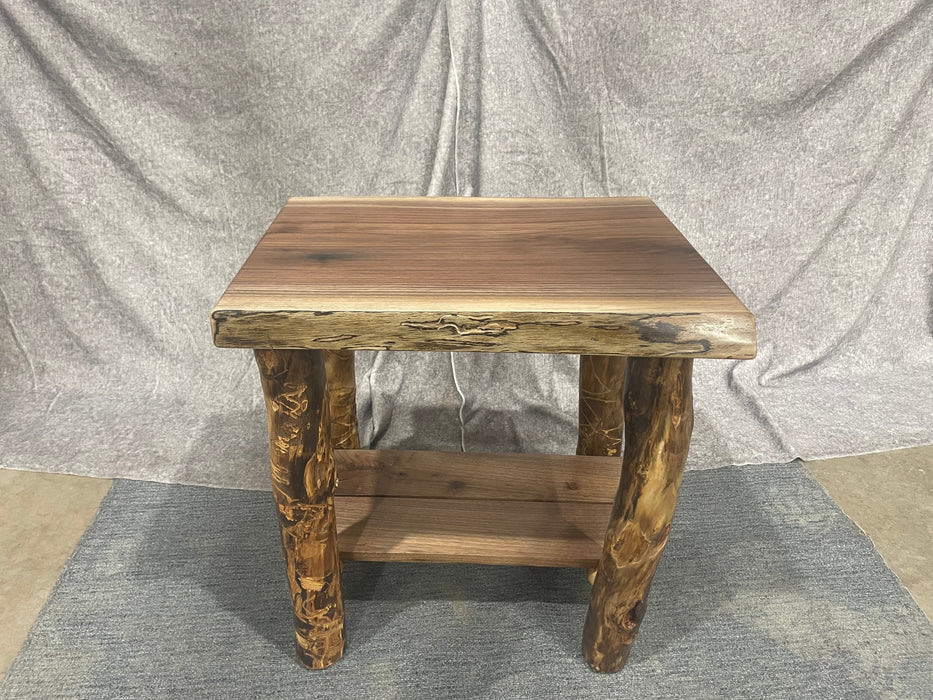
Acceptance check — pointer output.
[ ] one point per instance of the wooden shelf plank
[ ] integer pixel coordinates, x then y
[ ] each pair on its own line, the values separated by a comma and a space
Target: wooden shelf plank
455, 507
522, 533
468, 475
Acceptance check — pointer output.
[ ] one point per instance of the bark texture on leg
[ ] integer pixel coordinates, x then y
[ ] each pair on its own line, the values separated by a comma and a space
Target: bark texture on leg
601, 381
658, 423
341, 392
303, 479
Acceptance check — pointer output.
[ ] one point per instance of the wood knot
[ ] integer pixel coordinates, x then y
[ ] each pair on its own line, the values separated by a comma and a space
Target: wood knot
633, 617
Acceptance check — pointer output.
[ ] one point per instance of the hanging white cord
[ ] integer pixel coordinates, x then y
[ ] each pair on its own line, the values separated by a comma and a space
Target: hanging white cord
453, 370
453, 367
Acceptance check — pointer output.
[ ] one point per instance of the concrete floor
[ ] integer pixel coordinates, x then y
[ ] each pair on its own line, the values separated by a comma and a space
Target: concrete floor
890, 496
42, 517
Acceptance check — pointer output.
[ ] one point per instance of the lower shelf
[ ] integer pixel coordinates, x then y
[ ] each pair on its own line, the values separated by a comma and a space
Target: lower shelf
508, 525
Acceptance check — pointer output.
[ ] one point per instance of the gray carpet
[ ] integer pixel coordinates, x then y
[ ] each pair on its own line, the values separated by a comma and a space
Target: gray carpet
766, 590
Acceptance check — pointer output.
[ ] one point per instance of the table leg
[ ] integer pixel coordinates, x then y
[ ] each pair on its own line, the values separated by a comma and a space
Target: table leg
341, 392
658, 422
600, 424
303, 478
601, 381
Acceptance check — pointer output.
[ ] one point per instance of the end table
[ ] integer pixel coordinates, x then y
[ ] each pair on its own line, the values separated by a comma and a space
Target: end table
609, 279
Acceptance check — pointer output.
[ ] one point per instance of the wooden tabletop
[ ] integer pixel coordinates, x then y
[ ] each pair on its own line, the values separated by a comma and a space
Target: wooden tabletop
588, 276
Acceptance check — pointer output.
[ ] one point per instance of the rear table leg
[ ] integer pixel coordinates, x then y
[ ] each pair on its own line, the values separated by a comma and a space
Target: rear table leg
658, 421
303, 478
600, 424
341, 393
601, 381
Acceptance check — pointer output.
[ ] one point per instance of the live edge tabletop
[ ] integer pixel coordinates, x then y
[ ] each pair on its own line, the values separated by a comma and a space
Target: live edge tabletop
610, 279
609, 276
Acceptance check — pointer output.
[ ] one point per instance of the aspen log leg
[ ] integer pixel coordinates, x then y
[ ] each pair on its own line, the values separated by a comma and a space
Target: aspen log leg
600, 425
303, 479
601, 382
341, 392
658, 421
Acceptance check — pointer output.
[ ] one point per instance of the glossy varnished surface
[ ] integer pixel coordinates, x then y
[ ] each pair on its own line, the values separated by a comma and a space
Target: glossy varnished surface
303, 481
591, 276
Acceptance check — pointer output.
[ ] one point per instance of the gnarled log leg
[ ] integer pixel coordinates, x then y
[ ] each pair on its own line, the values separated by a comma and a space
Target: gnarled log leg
341, 392
303, 479
601, 381
658, 422
600, 424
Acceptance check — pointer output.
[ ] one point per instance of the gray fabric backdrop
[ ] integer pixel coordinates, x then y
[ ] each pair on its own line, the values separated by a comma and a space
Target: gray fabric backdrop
145, 146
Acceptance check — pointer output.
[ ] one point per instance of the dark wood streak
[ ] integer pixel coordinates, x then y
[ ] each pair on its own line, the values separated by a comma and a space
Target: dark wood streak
652, 330
658, 421
303, 480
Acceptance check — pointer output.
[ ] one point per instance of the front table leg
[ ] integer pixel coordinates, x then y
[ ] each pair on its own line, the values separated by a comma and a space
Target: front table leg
658, 408
303, 480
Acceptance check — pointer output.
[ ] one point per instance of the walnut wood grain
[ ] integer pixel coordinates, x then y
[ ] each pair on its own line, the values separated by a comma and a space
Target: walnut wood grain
477, 476
341, 394
600, 423
303, 478
607, 276
658, 422
516, 509
517, 533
